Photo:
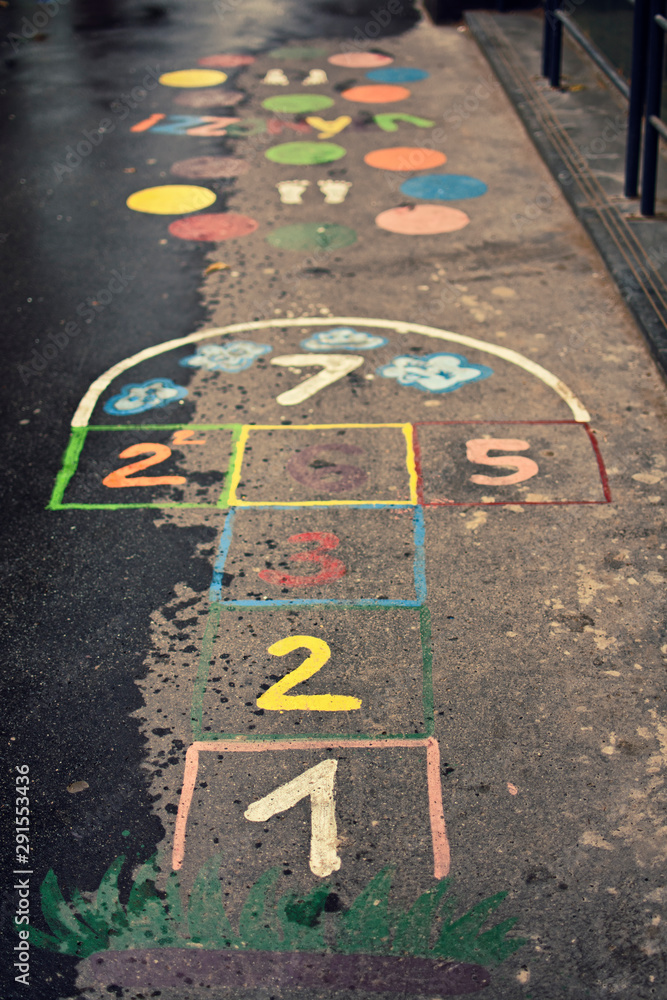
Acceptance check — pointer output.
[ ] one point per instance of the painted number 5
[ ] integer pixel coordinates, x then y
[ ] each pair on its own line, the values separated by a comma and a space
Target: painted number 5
478, 449
334, 367
276, 698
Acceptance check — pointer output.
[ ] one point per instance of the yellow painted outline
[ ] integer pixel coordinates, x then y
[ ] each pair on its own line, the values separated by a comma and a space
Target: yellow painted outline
235, 501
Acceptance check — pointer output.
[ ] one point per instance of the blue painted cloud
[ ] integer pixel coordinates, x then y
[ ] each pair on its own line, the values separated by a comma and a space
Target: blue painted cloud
434, 372
343, 338
397, 74
235, 356
443, 187
139, 396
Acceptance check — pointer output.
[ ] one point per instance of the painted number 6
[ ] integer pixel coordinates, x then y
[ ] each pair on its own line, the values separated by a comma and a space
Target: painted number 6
478, 449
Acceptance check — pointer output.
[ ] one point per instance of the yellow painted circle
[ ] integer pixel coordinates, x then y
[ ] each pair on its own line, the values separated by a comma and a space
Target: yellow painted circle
193, 78
171, 199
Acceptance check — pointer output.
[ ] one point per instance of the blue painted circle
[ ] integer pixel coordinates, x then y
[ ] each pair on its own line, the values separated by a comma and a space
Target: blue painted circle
444, 187
396, 74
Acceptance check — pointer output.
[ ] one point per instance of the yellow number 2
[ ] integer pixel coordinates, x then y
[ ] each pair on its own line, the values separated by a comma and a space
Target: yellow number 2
277, 700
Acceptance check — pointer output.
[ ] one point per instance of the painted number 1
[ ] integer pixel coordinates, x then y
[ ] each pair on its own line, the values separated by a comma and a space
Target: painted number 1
318, 784
276, 698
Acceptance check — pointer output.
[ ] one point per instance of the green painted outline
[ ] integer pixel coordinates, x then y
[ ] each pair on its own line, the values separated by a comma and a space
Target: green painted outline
74, 448
201, 682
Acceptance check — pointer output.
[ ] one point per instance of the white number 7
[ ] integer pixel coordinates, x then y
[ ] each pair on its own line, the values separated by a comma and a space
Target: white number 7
318, 783
334, 366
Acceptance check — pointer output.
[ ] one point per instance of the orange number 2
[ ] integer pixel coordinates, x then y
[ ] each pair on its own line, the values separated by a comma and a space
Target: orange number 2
158, 453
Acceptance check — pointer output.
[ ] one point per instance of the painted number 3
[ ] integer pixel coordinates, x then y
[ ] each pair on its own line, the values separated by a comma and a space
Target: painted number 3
331, 569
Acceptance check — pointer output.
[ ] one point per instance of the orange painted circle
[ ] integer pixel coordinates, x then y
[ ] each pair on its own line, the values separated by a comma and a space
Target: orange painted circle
225, 61
405, 158
213, 227
360, 60
376, 93
422, 220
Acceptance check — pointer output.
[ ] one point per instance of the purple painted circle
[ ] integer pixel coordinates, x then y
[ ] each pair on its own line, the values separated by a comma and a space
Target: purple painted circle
211, 167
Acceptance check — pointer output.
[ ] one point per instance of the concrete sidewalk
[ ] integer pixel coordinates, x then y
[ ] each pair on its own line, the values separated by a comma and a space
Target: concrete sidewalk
420, 444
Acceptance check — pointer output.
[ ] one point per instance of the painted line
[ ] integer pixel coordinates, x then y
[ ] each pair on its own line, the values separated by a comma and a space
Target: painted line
69, 467
317, 503
515, 503
350, 602
439, 839
235, 477
89, 400
601, 466
420, 557
410, 460
215, 590
236, 449
417, 452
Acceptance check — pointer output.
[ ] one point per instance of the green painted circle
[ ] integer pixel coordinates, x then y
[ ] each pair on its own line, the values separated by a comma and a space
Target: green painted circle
312, 236
298, 53
304, 153
297, 104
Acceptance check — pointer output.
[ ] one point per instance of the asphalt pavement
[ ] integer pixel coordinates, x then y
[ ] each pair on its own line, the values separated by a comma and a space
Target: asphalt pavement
334, 534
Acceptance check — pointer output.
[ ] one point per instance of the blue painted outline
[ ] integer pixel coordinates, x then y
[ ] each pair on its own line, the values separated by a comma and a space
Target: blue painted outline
419, 571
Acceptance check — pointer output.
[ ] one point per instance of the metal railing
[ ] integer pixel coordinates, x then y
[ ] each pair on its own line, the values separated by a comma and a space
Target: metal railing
643, 94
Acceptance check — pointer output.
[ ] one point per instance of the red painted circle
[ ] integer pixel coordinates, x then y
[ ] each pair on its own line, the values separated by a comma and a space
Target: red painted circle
422, 220
405, 158
214, 227
226, 61
211, 167
360, 60
376, 93
209, 98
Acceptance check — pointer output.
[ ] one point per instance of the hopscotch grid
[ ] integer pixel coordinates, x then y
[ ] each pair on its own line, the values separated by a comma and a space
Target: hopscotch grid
439, 838
203, 673
419, 573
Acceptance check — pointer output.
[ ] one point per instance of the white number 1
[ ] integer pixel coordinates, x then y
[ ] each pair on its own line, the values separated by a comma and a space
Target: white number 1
318, 783
334, 366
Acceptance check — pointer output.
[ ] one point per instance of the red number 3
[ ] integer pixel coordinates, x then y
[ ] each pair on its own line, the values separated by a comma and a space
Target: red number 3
332, 569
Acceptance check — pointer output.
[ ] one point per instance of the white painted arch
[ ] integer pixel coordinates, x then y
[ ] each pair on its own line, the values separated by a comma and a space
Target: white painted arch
89, 401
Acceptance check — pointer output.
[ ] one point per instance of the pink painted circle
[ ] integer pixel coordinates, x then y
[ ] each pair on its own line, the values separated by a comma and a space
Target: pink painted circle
211, 167
421, 220
213, 227
360, 60
212, 98
225, 61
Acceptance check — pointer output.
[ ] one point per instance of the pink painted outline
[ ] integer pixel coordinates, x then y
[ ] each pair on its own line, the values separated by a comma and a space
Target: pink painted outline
441, 851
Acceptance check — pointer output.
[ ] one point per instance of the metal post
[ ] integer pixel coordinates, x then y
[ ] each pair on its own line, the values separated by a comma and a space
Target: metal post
637, 96
656, 45
556, 48
549, 7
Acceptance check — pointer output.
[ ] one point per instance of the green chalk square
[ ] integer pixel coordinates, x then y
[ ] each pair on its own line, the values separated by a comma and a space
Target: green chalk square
80, 472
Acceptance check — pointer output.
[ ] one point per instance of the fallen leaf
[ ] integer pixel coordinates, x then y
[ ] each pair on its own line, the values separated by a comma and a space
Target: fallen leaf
218, 266
77, 786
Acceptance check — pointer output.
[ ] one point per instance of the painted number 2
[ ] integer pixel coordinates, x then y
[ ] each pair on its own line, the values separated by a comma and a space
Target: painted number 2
478, 449
317, 783
158, 453
276, 698
331, 569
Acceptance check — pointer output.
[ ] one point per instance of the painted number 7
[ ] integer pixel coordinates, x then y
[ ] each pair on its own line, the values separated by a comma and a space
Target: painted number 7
334, 367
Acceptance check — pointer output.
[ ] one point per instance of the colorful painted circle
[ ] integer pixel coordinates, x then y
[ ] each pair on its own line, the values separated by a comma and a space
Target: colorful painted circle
422, 220
297, 104
359, 60
211, 167
298, 52
397, 74
312, 236
193, 78
209, 98
213, 227
305, 153
405, 158
227, 60
171, 199
379, 93
443, 187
